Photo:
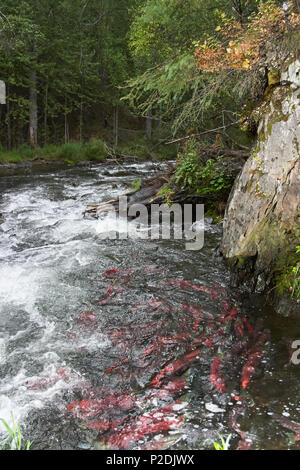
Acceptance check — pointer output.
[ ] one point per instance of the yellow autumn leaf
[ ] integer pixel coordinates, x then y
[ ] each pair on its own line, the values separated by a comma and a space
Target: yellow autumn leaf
218, 28
245, 64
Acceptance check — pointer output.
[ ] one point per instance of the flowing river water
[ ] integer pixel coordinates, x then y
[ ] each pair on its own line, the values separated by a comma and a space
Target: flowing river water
131, 344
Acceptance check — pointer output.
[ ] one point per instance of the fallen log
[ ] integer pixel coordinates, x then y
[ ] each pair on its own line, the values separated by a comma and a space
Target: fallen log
149, 191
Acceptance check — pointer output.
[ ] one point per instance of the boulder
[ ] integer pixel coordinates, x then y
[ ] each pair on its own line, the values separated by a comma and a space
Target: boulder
262, 218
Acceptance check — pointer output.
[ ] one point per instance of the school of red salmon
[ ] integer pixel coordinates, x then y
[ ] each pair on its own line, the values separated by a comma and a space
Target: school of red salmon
227, 346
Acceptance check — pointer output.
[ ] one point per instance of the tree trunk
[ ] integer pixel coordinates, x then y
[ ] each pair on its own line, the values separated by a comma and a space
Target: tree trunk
81, 122
296, 6
149, 125
66, 123
9, 146
46, 115
116, 127
66, 129
237, 6
33, 111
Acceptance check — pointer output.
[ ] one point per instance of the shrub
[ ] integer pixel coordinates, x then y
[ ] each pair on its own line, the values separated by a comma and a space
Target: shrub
95, 150
202, 178
70, 152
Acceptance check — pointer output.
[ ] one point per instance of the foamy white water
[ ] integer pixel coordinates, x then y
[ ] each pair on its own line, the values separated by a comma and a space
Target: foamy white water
49, 256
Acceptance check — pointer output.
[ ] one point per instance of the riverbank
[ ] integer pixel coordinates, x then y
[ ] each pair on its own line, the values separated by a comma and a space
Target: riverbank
96, 150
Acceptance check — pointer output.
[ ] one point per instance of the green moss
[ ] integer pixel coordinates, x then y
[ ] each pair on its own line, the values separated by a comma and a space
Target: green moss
277, 98
287, 278
240, 262
259, 193
262, 136
273, 77
249, 185
277, 250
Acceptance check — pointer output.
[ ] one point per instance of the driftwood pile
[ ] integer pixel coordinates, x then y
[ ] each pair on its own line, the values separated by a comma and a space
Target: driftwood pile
149, 191
146, 194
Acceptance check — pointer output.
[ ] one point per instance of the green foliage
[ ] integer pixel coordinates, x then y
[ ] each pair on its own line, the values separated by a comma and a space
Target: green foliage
142, 148
224, 445
79, 52
189, 170
72, 152
14, 442
179, 93
163, 38
83, 52
289, 279
217, 181
161, 28
69, 152
136, 185
200, 177
167, 193
167, 89
95, 150
136, 146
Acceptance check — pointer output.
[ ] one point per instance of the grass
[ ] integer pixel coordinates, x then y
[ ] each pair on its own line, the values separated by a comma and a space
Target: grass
14, 442
94, 150
223, 445
72, 152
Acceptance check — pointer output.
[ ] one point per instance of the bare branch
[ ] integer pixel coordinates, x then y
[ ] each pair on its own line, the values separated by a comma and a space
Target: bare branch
221, 128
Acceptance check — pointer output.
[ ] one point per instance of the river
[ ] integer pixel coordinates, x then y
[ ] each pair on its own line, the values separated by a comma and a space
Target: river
131, 344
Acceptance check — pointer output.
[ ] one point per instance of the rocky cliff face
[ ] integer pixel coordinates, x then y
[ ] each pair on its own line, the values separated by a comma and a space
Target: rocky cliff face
262, 220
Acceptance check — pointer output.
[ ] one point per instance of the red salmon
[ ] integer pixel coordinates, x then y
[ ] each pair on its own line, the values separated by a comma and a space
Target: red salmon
249, 367
86, 318
175, 366
161, 420
215, 375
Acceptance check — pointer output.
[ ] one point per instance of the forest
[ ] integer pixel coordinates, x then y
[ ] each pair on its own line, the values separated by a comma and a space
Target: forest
80, 70
149, 226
